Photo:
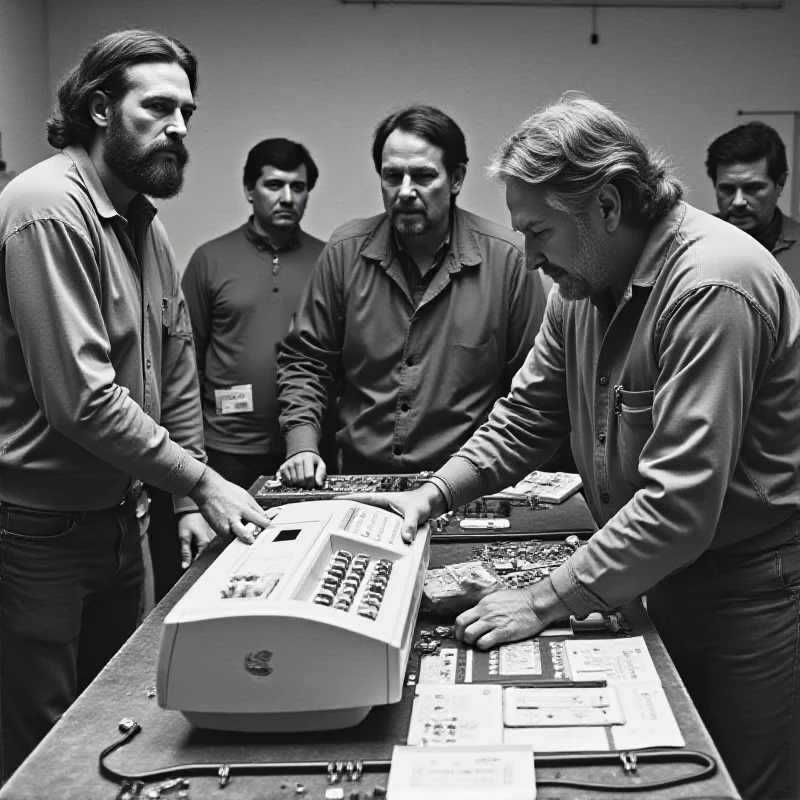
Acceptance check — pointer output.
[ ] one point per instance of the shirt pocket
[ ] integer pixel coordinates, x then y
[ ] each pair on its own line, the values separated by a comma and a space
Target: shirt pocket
473, 365
635, 416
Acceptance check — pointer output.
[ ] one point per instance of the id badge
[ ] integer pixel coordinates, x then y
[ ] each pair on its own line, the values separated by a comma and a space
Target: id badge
236, 400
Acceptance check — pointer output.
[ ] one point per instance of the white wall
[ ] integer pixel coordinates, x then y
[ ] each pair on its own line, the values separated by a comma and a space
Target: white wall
24, 82
324, 73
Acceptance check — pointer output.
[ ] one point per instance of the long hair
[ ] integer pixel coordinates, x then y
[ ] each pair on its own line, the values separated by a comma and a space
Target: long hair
577, 145
105, 68
430, 124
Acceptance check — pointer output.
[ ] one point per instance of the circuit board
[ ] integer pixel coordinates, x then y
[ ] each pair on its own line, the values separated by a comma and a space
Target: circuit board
270, 491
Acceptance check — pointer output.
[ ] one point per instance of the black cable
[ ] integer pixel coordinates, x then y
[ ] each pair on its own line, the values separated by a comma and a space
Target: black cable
630, 762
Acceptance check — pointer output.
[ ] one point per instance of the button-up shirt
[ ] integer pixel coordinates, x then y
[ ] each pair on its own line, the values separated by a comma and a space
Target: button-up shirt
786, 248
684, 409
97, 377
416, 379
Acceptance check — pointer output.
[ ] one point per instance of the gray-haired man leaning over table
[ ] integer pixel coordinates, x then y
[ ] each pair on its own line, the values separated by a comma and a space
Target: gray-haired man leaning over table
671, 355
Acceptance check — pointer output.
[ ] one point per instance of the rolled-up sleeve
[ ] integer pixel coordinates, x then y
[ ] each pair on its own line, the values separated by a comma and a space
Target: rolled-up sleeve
54, 286
713, 346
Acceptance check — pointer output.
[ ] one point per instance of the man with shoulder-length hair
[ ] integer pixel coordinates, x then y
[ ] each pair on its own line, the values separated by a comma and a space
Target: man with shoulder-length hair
748, 168
670, 353
98, 387
419, 316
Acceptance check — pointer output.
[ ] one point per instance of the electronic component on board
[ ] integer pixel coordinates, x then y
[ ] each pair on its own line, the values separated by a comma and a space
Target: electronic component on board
484, 524
306, 629
270, 491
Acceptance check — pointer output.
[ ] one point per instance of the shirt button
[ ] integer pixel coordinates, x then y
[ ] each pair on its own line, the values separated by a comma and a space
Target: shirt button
605, 497
603, 380
601, 437
398, 451
274, 288
404, 407
409, 362
148, 363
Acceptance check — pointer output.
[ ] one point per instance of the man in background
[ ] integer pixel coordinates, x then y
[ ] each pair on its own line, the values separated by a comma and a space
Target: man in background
748, 168
420, 316
241, 290
98, 384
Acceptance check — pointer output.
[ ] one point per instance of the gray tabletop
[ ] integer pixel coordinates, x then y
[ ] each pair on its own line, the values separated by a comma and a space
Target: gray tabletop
65, 765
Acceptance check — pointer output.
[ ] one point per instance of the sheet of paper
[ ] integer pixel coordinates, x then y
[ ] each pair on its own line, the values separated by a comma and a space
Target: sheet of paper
520, 658
619, 661
557, 707
462, 773
649, 719
460, 714
559, 740
439, 667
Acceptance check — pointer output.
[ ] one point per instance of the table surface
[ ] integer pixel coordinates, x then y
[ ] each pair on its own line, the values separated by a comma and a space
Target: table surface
65, 765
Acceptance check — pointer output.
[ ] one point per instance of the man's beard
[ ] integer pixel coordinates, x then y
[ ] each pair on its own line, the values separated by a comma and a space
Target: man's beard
414, 225
140, 168
592, 258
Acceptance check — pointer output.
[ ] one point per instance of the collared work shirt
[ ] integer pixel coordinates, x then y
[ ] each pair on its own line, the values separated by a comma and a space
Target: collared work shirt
97, 378
684, 409
416, 281
787, 250
416, 380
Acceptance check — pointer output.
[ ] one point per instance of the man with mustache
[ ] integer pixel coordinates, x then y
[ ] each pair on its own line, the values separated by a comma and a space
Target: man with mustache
241, 290
748, 168
98, 386
419, 316
670, 354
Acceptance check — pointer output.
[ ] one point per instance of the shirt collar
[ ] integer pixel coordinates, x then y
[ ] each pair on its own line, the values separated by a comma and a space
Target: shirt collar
657, 247
463, 248
439, 255
262, 243
140, 206
789, 233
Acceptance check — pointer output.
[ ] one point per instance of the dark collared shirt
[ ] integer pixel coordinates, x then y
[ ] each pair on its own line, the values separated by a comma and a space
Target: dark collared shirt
241, 303
262, 242
684, 408
416, 379
786, 249
97, 376
417, 282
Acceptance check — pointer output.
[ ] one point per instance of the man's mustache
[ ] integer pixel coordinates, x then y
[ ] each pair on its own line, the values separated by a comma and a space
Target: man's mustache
177, 148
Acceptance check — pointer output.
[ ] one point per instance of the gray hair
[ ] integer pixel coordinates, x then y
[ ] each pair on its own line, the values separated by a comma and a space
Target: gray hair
577, 145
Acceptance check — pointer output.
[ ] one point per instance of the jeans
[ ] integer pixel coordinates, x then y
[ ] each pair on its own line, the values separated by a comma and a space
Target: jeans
70, 587
731, 623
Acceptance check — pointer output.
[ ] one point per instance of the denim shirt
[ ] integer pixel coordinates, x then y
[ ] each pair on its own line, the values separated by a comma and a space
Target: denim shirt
683, 408
97, 375
416, 378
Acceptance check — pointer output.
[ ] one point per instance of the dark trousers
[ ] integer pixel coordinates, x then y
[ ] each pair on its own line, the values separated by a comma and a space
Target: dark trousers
70, 586
731, 623
162, 538
243, 469
165, 548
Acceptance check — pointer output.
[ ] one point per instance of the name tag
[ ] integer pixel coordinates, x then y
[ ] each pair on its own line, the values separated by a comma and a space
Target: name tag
236, 400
